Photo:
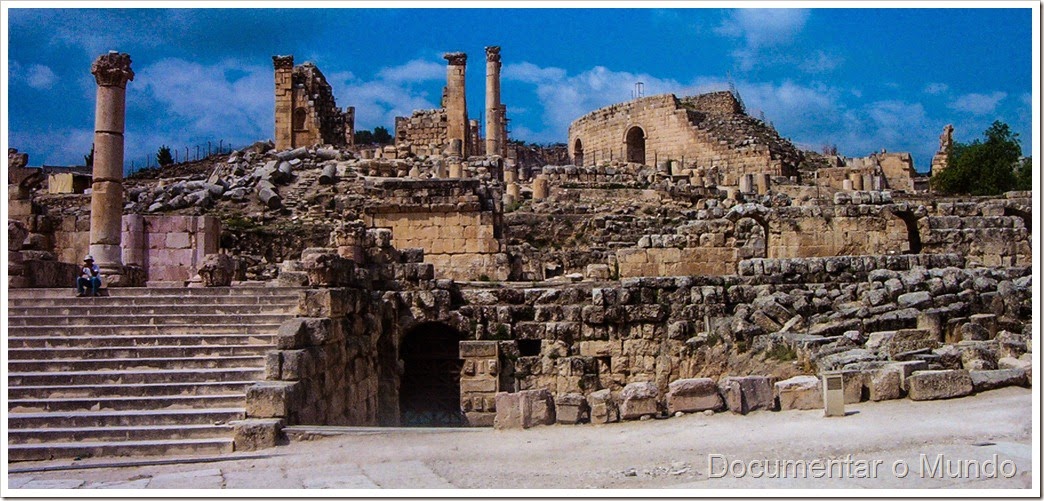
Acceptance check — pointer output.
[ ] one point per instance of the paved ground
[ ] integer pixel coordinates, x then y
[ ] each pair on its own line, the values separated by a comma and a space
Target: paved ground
993, 428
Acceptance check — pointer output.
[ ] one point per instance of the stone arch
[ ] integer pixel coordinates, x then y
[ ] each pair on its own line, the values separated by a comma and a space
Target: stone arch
913, 234
578, 153
300, 116
429, 388
634, 141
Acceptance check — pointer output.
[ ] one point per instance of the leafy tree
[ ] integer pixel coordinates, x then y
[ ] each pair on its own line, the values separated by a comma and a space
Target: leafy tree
88, 159
379, 135
982, 167
163, 156
1024, 175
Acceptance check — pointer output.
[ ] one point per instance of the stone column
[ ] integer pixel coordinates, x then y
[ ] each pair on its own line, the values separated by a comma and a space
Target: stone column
284, 106
494, 120
456, 103
540, 187
111, 72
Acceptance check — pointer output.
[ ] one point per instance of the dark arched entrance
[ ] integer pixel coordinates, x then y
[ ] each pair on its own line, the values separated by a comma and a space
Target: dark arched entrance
429, 391
913, 235
578, 153
635, 140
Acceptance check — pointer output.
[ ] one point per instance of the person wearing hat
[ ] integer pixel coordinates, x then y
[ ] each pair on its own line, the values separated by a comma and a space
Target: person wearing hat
90, 277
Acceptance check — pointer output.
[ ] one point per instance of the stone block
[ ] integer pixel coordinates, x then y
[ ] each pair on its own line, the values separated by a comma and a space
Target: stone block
256, 434
178, 240
326, 302
639, 399
524, 409
478, 349
934, 385
748, 393
271, 399
906, 340
886, 384
603, 408
571, 408
991, 380
693, 395
799, 393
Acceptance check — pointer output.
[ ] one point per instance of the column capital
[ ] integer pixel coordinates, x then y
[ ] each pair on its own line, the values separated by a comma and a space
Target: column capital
112, 69
456, 58
283, 62
493, 54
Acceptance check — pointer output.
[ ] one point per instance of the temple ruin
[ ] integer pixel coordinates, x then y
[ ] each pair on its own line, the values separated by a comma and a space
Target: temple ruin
306, 113
686, 260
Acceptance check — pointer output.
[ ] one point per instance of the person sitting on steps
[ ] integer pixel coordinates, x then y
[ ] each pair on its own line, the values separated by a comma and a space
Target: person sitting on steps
90, 277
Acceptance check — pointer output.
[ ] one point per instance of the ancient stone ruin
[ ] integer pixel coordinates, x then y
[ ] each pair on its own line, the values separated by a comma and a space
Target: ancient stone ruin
688, 259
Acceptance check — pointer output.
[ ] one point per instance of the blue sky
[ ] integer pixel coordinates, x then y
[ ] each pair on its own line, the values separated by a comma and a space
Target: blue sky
863, 79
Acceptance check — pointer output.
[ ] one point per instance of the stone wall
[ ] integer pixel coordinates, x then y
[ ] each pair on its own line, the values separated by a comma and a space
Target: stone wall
425, 129
306, 113
450, 219
668, 128
168, 248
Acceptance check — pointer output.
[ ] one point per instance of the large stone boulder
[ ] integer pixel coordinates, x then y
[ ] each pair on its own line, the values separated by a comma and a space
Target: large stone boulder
524, 409
934, 385
640, 399
886, 384
799, 393
571, 408
603, 407
694, 395
991, 380
748, 393
217, 270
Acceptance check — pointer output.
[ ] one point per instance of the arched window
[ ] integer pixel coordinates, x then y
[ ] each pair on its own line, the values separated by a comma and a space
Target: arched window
578, 153
300, 114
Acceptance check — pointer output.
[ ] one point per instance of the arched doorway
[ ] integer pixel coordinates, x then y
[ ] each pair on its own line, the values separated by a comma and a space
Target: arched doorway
300, 114
913, 235
635, 140
429, 390
578, 153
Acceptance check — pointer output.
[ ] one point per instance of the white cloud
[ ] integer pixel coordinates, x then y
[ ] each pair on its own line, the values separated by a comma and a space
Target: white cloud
40, 77
821, 62
417, 70
530, 73
763, 27
936, 88
54, 147
977, 104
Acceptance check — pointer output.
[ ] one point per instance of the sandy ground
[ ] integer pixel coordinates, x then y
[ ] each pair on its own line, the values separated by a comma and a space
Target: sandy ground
970, 434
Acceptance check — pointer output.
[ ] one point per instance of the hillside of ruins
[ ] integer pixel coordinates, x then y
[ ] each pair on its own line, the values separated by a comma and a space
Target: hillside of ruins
676, 255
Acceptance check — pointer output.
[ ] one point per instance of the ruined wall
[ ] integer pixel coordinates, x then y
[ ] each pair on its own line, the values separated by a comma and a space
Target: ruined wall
169, 248
425, 129
665, 127
305, 110
878, 171
454, 221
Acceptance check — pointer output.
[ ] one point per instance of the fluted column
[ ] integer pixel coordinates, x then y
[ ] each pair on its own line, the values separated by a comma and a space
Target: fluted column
111, 71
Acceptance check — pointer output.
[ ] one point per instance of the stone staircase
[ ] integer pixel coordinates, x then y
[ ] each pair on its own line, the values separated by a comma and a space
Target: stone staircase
142, 371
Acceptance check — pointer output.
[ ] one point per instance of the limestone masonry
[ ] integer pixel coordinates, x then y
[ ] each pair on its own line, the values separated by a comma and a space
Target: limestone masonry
676, 256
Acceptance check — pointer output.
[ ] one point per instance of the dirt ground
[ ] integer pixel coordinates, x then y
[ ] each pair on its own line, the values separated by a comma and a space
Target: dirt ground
941, 444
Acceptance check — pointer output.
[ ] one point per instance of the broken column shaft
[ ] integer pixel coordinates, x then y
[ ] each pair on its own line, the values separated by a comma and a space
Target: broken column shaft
111, 72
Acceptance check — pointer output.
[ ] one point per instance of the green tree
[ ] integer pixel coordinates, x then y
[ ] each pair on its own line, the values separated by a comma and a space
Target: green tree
163, 156
381, 136
88, 159
363, 137
983, 167
1024, 175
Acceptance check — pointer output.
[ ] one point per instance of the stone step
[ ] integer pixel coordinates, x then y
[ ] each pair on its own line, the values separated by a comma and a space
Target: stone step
53, 450
113, 292
104, 310
182, 376
131, 319
97, 419
128, 390
81, 352
155, 300
129, 340
118, 433
107, 364
17, 406
258, 329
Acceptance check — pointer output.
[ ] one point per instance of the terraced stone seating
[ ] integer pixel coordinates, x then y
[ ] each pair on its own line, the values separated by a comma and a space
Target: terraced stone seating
141, 371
